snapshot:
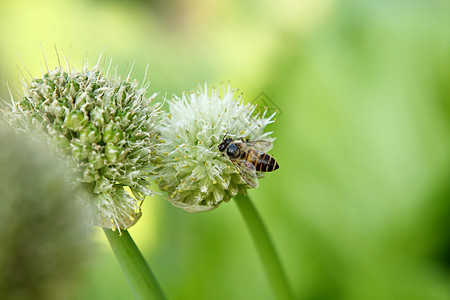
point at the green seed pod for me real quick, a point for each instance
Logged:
(75, 120)
(96, 160)
(58, 109)
(112, 134)
(79, 150)
(114, 153)
(123, 117)
(61, 142)
(98, 117)
(90, 134)
(58, 127)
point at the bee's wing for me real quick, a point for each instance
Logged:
(247, 172)
(260, 145)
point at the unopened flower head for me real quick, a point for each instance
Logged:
(105, 125)
(190, 166)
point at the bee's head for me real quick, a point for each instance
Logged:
(225, 142)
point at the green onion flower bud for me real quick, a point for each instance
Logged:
(107, 128)
(75, 120)
(191, 169)
(91, 134)
(112, 134)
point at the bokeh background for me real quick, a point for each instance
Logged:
(360, 206)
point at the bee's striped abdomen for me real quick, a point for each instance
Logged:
(265, 163)
(272, 164)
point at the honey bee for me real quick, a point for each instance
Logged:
(249, 157)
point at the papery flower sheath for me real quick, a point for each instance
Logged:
(105, 126)
(190, 166)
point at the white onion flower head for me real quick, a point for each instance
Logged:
(105, 128)
(191, 168)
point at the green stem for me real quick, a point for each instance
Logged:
(136, 270)
(265, 247)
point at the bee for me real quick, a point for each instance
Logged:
(249, 157)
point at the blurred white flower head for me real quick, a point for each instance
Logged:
(44, 237)
(190, 166)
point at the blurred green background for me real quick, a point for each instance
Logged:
(360, 206)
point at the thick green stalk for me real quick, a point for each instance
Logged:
(136, 270)
(265, 247)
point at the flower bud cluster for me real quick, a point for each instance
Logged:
(106, 126)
